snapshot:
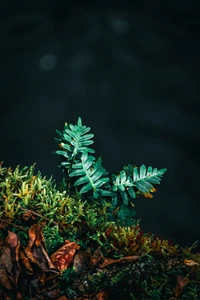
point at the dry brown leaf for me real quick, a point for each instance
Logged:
(35, 236)
(102, 262)
(43, 260)
(13, 242)
(97, 256)
(181, 282)
(128, 259)
(190, 262)
(43, 285)
(62, 258)
(26, 263)
(36, 263)
(36, 250)
(102, 295)
(29, 254)
(6, 266)
(109, 261)
(19, 296)
(28, 216)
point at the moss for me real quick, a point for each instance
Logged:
(101, 213)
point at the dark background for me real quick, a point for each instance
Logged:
(131, 72)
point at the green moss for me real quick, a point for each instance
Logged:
(100, 213)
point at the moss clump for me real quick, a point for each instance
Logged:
(115, 257)
(28, 198)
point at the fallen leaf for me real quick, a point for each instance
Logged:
(62, 258)
(35, 236)
(43, 259)
(6, 266)
(26, 263)
(97, 256)
(28, 216)
(38, 264)
(19, 296)
(109, 261)
(102, 262)
(128, 259)
(190, 262)
(13, 242)
(102, 295)
(36, 250)
(181, 282)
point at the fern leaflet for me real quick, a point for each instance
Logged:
(91, 172)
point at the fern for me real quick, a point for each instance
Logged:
(122, 188)
(73, 141)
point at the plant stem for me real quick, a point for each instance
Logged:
(37, 214)
(10, 223)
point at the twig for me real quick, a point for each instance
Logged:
(37, 214)
(17, 226)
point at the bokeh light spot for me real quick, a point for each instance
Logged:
(48, 62)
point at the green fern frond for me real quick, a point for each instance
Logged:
(145, 177)
(124, 183)
(73, 141)
(91, 171)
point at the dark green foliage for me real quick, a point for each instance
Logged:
(66, 280)
(53, 238)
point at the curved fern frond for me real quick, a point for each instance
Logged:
(73, 141)
(91, 173)
(143, 179)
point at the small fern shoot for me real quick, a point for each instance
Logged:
(73, 141)
(122, 188)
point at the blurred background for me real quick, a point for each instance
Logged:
(131, 72)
